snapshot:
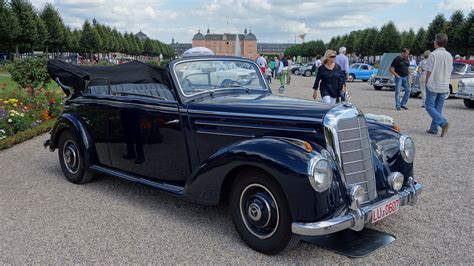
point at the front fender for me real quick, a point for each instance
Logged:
(286, 162)
(71, 122)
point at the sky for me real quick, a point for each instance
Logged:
(278, 21)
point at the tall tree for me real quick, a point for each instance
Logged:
(41, 35)
(55, 27)
(25, 14)
(9, 27)
(388, 39)
(419, 42)
(455, 29)
(90, 40)
(436, 26)
(469, 34)
(408, 39)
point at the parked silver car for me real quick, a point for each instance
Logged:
(466, 91)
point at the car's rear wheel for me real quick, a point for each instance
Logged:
(365, 80)
(71, 159)
(469, 103)
(260, 213)
(351, 77)
(296, 72)
(307, 73)
(377, 88)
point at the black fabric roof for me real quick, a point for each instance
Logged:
(134, 72)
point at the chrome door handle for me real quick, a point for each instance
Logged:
(176, 121)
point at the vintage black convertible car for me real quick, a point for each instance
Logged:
(208, 129)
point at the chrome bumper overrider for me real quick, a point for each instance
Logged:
(356, 219)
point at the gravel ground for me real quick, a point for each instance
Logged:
(45, 219)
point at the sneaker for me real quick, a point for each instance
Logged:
(429, 131)
(398, 108)
(404, 107)
(444, 130)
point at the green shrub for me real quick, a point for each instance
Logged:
(29, 72)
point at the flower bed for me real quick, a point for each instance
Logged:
(24, 109)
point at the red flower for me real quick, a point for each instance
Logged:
(29, 91)
(52, 101)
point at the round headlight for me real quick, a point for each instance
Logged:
(407, 148)
(357, 194)
(395, 180)
(320, 174)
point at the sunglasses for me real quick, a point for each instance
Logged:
(332, 56)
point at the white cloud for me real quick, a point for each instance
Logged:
(452, 5)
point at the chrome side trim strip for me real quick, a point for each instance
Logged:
(158, 185)
(122, 104)
(205, 123)
(221, 133)
(283, 117)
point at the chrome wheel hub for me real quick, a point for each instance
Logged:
(71, 157)
(259, 211)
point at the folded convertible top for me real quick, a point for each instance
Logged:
(134, 72)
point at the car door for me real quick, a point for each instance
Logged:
(365, 72)
(146, 136)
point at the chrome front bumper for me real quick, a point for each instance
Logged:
(464, 96)
(356, 219)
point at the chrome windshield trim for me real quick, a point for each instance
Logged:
(260, 77)
(205, 123)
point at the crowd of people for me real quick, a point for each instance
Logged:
(332, 71)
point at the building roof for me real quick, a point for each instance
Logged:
(141, 34)
(198, 36)
(250, 36)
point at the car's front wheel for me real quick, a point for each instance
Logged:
(377, 88)
(469, 103)
(296, 72)
(71, 159)
(308, 73)
(260, 213)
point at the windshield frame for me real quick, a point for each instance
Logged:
(189, 97)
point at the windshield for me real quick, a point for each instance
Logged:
(210, 75)
(458, 67)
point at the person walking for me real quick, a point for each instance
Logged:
(399, 68)
(330, 79)
(422, 75)
(438, 74)
(277, 62)
(288, 72)
(343, 61)
(262, 63)
(272, 67)
(282, 69)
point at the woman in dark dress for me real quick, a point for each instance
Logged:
(330, 79)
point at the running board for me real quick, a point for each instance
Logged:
(157, 185)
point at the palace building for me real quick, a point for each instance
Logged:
(244, 45)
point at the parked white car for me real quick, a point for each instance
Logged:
(215, 73)
(466, 91)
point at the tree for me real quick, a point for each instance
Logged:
(148, 47)
(469, 34)
(455, 28)
(436, 26)
(41, 35)
(369, 41)
(25, 14)
(90, 40)
(9, 27)
(55, 28)
(388, 39)
(408, 39)
(419, 42)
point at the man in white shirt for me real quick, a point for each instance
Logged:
(343, 61)
(262, 63)
(438, 75)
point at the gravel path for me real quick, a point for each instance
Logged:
(45, 219)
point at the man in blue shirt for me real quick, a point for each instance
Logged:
(342, 61)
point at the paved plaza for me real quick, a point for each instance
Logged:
(45, 219)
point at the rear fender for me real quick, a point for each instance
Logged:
(71, 122)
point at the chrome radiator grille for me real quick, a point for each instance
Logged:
(355, 154)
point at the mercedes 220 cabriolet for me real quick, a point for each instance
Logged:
(287, 167)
